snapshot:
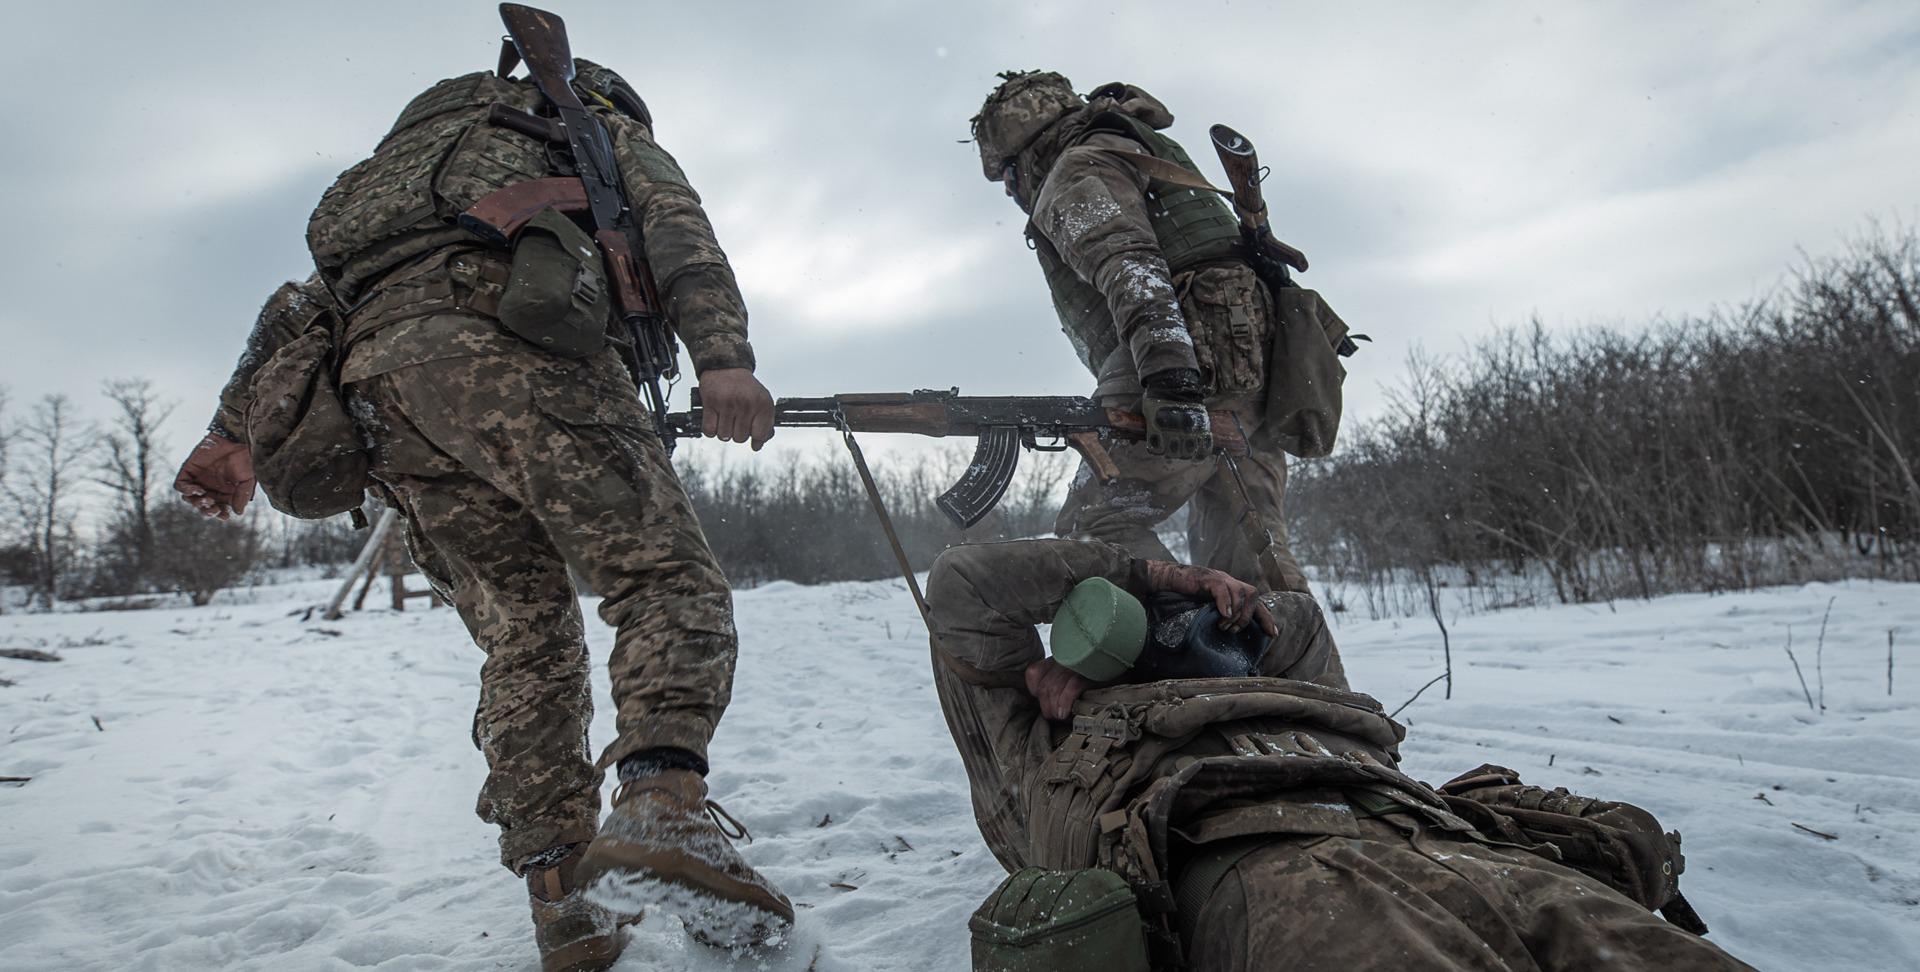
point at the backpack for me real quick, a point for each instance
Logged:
(1618, 844)
(307, 455)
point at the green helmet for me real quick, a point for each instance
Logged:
(1099, 630)
(1015, 114)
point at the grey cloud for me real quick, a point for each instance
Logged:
(160, 191)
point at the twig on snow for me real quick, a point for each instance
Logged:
(17, 780)
(1446, 642)
(1416, 695)
(1889, 661)
(1817, 833)
(1820, 650)
(1796, 669)
(28, 654)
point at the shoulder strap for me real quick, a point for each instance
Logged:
(1164, 171)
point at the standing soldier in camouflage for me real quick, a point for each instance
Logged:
(513, 460)
(1152, 289)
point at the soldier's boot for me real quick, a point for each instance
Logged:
(574, 934)
(664, 847)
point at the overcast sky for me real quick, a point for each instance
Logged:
(1448, 167)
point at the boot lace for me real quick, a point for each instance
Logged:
(728, 825)
(722, 819)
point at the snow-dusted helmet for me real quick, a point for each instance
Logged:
(1017, 111)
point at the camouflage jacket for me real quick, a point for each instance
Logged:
(370, 231)
(1091, 213)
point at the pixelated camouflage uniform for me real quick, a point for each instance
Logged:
(1322, 878)
(512, 464)
(1131, 315)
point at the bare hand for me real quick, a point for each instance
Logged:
(1238, 601)
(1056, 687)
(217, 478)
(734, 406)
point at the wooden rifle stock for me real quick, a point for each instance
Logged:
(1242, 162)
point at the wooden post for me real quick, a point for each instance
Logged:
(362, 563)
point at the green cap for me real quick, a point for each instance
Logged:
(1099, 631)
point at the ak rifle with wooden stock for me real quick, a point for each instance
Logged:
(1269, 256)
(1004, 425)
(593, 192)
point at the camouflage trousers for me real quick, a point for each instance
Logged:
(1388, 900)
(1151, 488)
(509, 468)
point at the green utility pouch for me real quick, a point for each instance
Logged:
(1304, 373)
(307, 455)
(1059, 921)
(557, 296)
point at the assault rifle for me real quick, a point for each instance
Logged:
(540, 39)
(1004, 426)
(1270, 256)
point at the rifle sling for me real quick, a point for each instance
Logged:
(965, 671)
(1158, 168)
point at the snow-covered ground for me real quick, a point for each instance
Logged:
(235, 787)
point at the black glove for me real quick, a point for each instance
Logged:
(1175, 411)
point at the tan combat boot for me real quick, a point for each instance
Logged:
(663, 847)
(574, 934)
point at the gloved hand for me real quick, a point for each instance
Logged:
(1175, 411)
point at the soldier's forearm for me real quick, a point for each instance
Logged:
(711, 319)
(1146, 312)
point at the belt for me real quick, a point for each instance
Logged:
(457, 279)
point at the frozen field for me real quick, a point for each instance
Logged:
(233, 787)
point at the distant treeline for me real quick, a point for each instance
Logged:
(806, 518)
(85, 509)
(1773, 443)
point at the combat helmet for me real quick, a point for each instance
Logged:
(604, 85)
(1015, 114)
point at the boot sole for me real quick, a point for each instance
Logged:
(720, 911)
(586, 955)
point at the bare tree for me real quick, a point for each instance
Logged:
(131, 469)
(53, 448)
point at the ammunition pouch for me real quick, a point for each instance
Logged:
(557, 296)
(1618, 844)
(1304, 373)
(452, 280)
(1059, 921)
(307, 455)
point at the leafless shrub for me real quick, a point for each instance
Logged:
(1764, 444)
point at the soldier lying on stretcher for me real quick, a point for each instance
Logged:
(1208, 751)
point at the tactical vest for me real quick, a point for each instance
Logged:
(440, 157)
(1192, 227)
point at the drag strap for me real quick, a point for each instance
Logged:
(965, 671)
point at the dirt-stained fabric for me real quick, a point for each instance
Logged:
(1093, 210)
(1152, 487)
(1293, 767)
(510, 467)
(1216, 319)
(1386, 899)
(984, 601)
